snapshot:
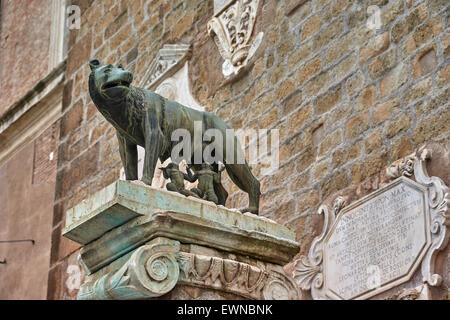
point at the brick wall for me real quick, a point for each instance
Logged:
(348, 99)
(24, 45)
(45, 153)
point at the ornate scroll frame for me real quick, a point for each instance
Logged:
(308, 270)
(154, 269)
(232, 28)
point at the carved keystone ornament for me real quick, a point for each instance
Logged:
(381, 240)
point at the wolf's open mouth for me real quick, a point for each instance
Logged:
(117, 83)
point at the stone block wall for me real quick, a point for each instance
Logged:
(24, 49)
(351, 85)
(26, 194)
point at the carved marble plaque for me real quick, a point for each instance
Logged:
(377, 242)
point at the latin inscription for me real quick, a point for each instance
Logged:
(376, 242)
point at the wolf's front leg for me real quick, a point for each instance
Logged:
(153, 143)
(129, 157)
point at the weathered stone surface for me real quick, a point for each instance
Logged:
(383, 64)
(356, 126)
(236, 48)
(374, 48)
(373, 248)
(309, 69)
(311, 26)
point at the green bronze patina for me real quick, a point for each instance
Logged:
(142, 117)
(208, 183)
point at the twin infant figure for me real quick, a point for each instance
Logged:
(205, 174)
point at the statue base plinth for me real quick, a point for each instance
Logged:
(142, 242)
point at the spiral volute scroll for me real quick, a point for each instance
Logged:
(151, 271)
(155, 273)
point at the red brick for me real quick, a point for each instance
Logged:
(79, 54)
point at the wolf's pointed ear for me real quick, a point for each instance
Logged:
(120, 66)
(94, 64)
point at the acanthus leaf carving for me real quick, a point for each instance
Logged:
(232, 29)
(308, 270)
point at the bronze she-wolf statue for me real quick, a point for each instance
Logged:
(142, 117)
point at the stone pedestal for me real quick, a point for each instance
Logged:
(142, 242)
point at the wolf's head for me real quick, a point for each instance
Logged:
(108, 82)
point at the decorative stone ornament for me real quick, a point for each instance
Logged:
(154, 269)
(438, 201)
(169, 60)
(151, 271)
(232, 29)
(380, 241)
(421, 292)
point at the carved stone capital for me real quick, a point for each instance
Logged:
(154, 269)
(232, 28)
